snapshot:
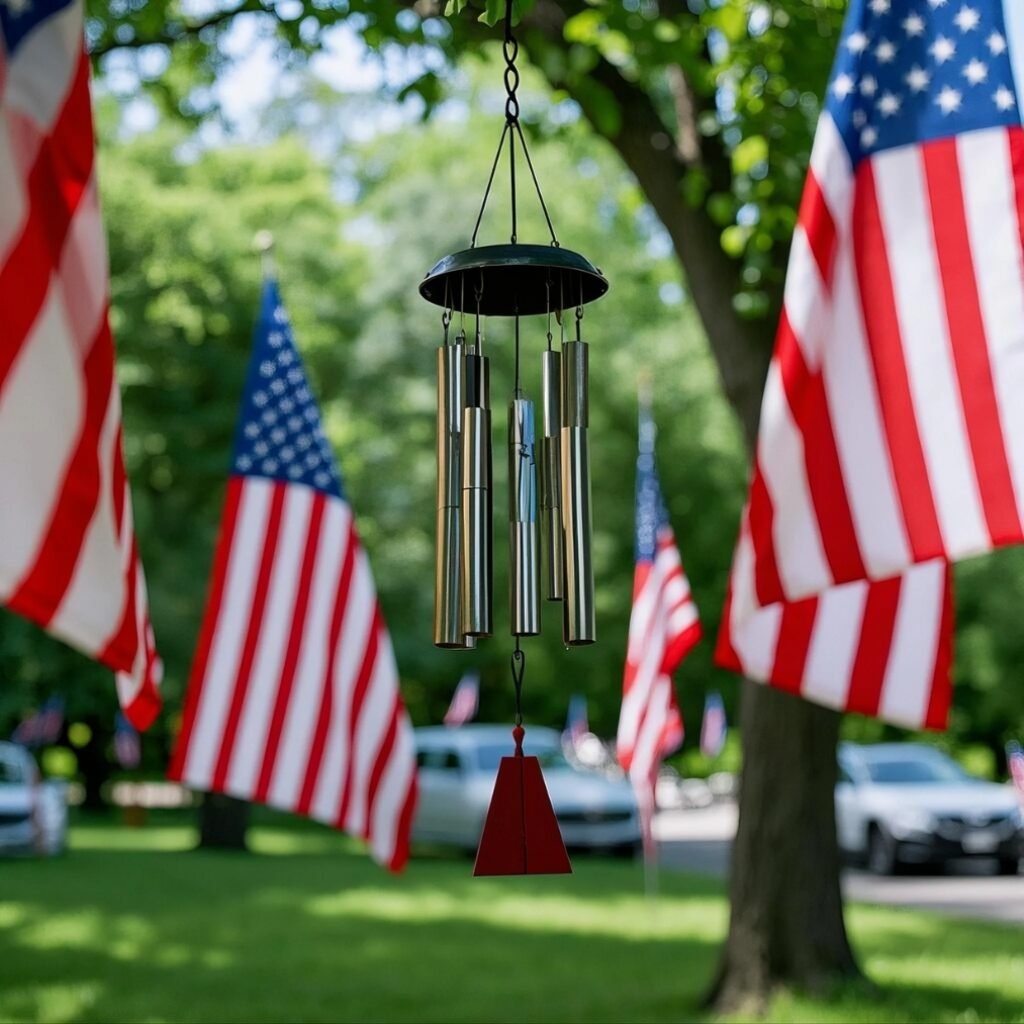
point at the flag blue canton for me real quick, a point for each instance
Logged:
(18, 18)
(651, 514)
(279, 434)
(908, 72)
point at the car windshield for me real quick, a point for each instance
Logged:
(489, 755)
(920, 769)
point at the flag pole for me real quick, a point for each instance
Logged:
(263, 243)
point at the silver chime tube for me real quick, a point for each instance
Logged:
(448, 552)
(579, 625)
(524, 553)
(550, 458)
(477, 573)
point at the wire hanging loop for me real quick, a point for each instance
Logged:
(518, 664)
(510, 49)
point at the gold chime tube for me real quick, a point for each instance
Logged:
(524, 553)
(477, 573)
(448, 554)
(550, 458)
(579, 623)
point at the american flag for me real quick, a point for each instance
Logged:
(663, 628)
(68, 557)
(1015, 763)
(127, 744)
(465, 701)
(577, 724)
(892, 430)
(42, 727)
(713, 727)
(293, 699)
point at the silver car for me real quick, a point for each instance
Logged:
(907, 803)
(457, 769)
(33, 813)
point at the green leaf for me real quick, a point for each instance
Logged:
(454, 7)
(751, 151)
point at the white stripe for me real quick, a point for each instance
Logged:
(304, 704)
(920, 307)
(682, 619)
(41, 409)
(646, 750)
(275, 630)
(14, 206)
(835, 639)
(830, 162)
(83, 269)
(674, 591)
(860, 439)
(753, 631)
(1013, 18)
(348, 658)
(907, 686)
(638, 696)
(993, 228)
(806, 300)
(43, 67)
(372, 729)
(643, 609)
(229, 632)
(803, 568)
(394, 785)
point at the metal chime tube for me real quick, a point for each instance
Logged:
(477, 575)
(579, 625)
(524, 553)
(448, 556)
(550, 457)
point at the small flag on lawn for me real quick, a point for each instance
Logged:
(713, 728)
(465, 700)
(43, 727)
(127, 745)
(576, 723)
(1015, 763)
(293, 699)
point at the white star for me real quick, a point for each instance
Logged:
(843, 86)
(967, 19)
(975, 72)
(295, 376)
(937, 3)
(275, 338)
(880, 6)
(277, 386)
(859, 118)
(996, 44)
(244, 463)
(252, 430)
(949, 99)
(322, 479)
(18, 7)
(295, 424)
(294, 471)
(917, 78)
(261, 448)
(269, 466)
(868, 85)
(267, 368)
(313, 460)
(302, 442)
(286, 405)
(857, 42)
(942, 49)
(282, 318)
(269, 417)
(868, 137)
(310, 414)
(287, 453)
(278, 436)
(885, 52)
(260, 398)
(913, 25)
(286, 357)
(889, 104)
(1003, 98)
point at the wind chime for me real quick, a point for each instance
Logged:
(549, 478)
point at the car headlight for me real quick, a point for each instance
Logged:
(911, 820)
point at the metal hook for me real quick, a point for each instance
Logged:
(518, 665)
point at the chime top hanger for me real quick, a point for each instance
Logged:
(512, 279)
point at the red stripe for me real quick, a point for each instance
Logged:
(401, 854)
(323, 721)
(816, 219)
(882, 329)
(1015, 138)
(123, 645)
(119, 483)
(725, 654)
(54, 189)
(381, 762)
(805, 393)
(941, 695)
(967, 338)
(143, 708)
(218, 578)
(291, 659)
(252, 635)
(679, 646)
(874, 645)
(796, 628)
(358, 699)
(43, 587)
(761, 515)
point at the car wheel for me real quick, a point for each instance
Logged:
(881, 852)
(1008, 866)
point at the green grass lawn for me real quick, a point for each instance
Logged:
(133, 926)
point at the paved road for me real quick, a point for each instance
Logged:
(701, 841)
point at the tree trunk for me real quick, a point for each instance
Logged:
(223, 822)
(786, 922)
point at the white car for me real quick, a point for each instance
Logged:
(33, 813)
(457, 769)
(907, 803)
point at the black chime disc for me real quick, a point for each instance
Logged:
(510, 280)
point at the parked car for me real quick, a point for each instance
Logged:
(457, 769)
(33, 813)
(907, 803)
